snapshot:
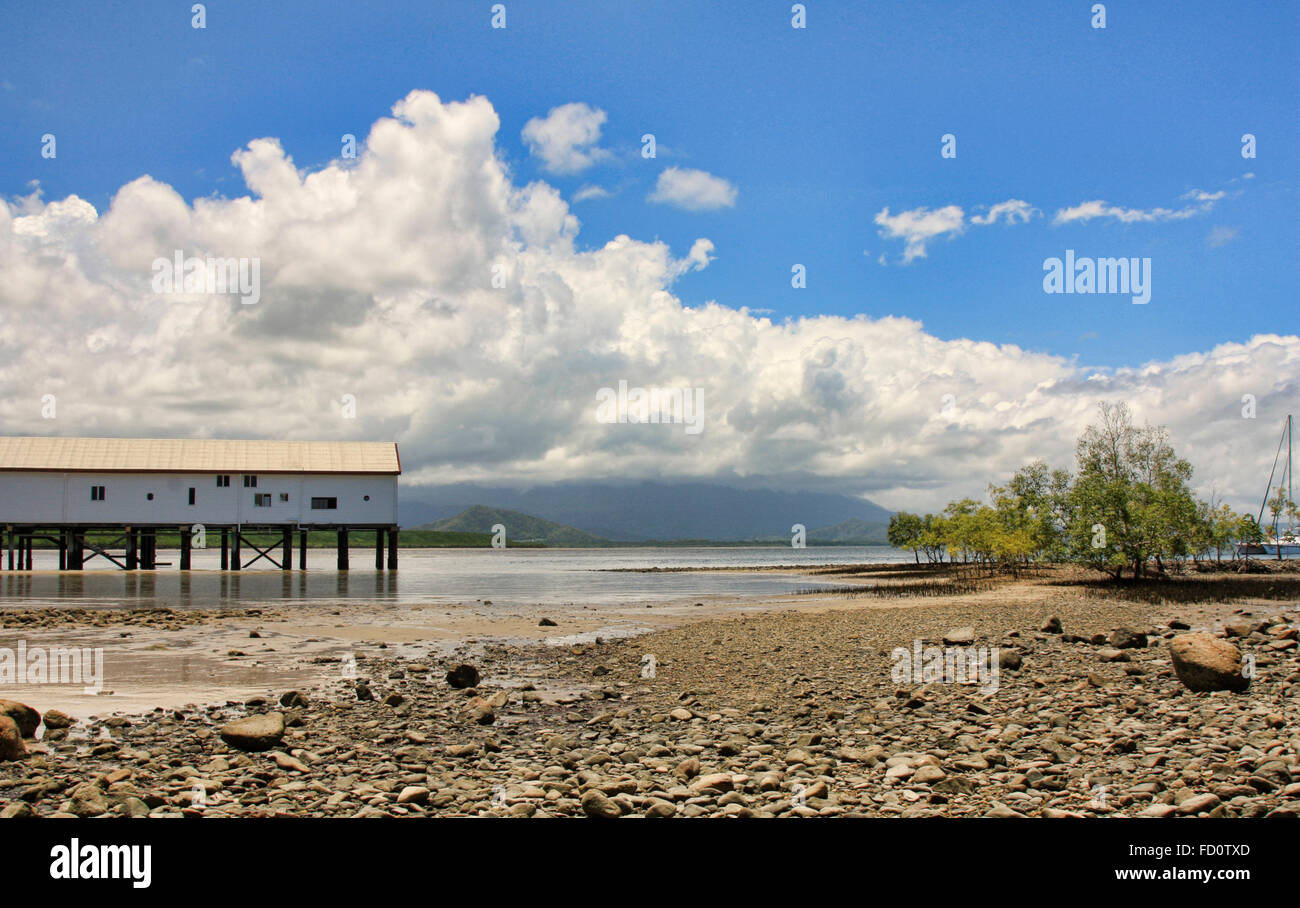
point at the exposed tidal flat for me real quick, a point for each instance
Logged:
(781, 705)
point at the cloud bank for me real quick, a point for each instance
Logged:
(455, 306)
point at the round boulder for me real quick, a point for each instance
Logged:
(1205, 663)
(294, 699)
(54, 720)
(26, 718)
(463, 676)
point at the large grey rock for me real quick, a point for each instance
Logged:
(1205, 663)
(254, 733)
(597, 805)
(959, 636)
(1237, 628)
(88, 800)
(1127, 638)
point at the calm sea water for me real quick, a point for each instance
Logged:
(586, 576)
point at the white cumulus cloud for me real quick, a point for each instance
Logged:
(1012, 211)
(693, 190)
(587, 193)
(565, 139)
(920, 225)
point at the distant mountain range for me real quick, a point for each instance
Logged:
(596, 513)
(520, 527)
(851, 532)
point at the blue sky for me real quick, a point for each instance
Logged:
(817, 129)
(776, 146)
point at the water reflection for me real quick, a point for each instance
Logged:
(438, 575)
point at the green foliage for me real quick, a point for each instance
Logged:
(905, 532)
(1130, 496)
(1127, 505)
(1279, 506)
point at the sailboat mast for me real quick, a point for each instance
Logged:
(1284, 438)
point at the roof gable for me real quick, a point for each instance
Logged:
(197, 455)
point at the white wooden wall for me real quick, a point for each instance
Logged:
(64, 498)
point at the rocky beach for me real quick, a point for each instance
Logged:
(1101, 706)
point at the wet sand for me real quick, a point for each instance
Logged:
(146, 666)
(199, 656)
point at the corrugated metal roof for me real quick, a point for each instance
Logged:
(197, 455)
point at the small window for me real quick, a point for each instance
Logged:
(284, 496)
(324, 504)
(149, 497)
(262, 501)
(191, 495)
(250, 482)
(223, 482)
(96, 493)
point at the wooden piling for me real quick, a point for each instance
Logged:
(392, 549)
(343, 549)
(148, 544)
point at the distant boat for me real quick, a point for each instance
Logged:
(1280, 542)
(1289, 542)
